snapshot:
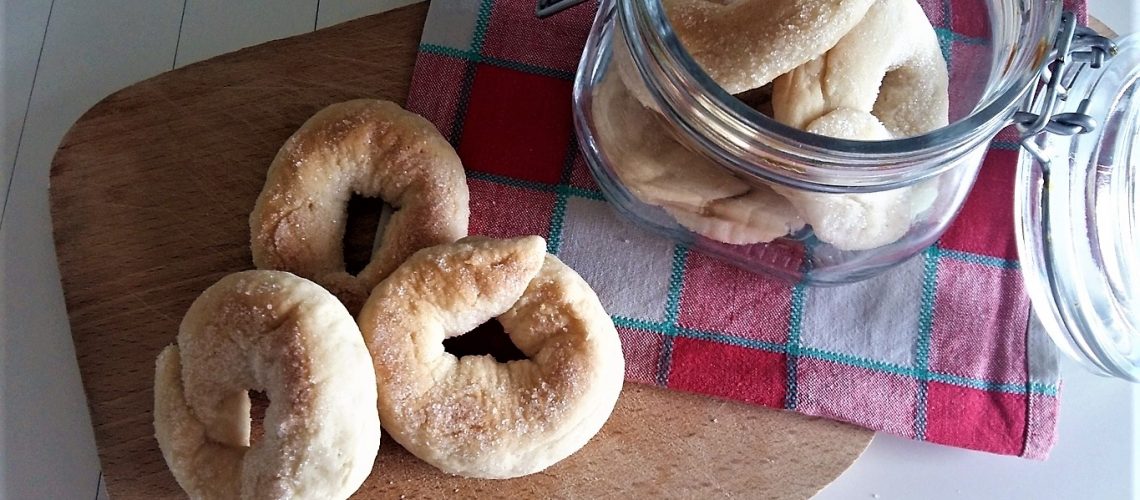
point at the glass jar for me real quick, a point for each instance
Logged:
(680, 156)
(1079, 222)
(662, 140)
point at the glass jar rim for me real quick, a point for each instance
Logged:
(823, 163)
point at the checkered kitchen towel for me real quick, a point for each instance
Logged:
(936, 349)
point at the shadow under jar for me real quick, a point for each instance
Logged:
(664, 140)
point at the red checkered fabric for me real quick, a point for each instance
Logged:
(937, 349)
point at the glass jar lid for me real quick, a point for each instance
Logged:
(1079, 200)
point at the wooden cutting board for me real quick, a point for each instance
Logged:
(150, 194)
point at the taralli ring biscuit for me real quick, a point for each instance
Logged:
(889, 65)
(474, 416)
(853, 221)
(370, 148)
(859, 221)
(884, 79)
(745, 44)
(274, 332)
(697, 193)
(758, 216)
(657, 168)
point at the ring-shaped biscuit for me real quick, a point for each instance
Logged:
(371, 148)
(649, 160)
(744, 44)
(884, 79)
(699, 194)
(474, 416)
(859, 221)
(759, 216)
(889, 65)
(287, 336)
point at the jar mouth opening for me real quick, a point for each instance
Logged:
(858, 163)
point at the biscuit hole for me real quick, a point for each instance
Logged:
(258, 404)
(759, 99)
(364, 226)
(488, 338)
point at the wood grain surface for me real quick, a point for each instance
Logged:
(150, 194)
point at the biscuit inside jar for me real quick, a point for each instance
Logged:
(866, 70)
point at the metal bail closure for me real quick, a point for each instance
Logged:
(1075, 45)
(547, 8)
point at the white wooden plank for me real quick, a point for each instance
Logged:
(1122, 16)
(23, 27)
(102, 493)
(215, 27)
(338, 11)
(91, 49)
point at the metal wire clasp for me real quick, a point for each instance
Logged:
(1075, 45)
(547, 8)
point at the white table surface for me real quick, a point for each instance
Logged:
(59, 57)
